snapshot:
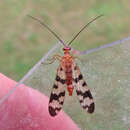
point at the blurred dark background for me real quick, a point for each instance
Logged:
(23, 41)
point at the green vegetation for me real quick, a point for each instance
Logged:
(24, 41)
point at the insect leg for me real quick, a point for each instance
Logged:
(51, 60)
(58, 57)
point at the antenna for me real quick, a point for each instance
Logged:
(48, 29)
(83, 29)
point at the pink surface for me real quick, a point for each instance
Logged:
(27, 109)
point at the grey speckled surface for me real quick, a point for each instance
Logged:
(107, 73)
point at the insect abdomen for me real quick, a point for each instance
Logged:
(68, 73)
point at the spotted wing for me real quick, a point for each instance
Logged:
(83, 93)
(58, 93)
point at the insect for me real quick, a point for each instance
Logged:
(69, 75)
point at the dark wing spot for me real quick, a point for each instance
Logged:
(79, 93)
(53, 97)
(84, 84)
(58, 109)
(61, 68)
(80, 77)
(75, 68)
(91, 108)
(61, 103)
(85, 94)
(55, 86)
(86, 106)
(62, 94)
(58, 79)
(62, 81)
(80, 101)
(52, 111)
(76, 80)
(56, 97)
